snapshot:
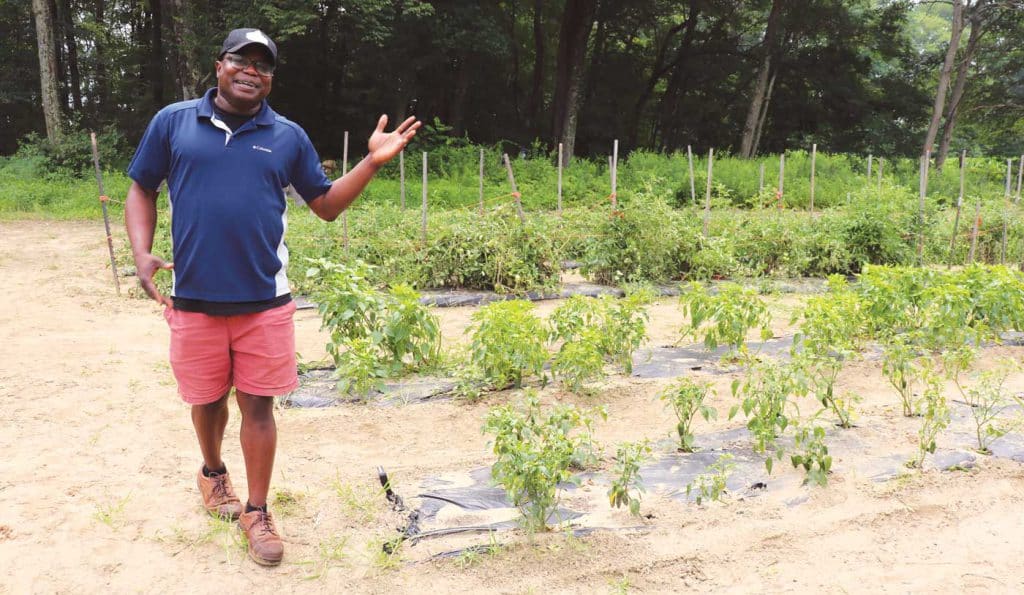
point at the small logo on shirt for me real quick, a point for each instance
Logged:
(259, 148)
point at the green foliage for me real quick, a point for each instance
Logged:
(580, 361)
(507, 342)
(899, 368)
(935, 415)
(373, 334)
(988, 399)
(711, 484)
(725, 317)
(686, 397)
(535, 450)
(811, 452)
(626, 476)
(763, 396)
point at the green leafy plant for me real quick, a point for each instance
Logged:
(686, 397)
(987, 399)
(374, 335)
(579, 362)
(725, 317)
(626, 476)
(811, 452)
(935, 414)
(711, 484)
(898, 366)
(613, 327)
(535, 450)
(507, 342)
(763, 396)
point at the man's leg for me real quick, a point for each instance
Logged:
(210, 420)
(259, 443)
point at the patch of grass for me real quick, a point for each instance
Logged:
(385, 554)
(474, 555)
(359, 502)
(112, 514)
(329, 554)
(286, 502)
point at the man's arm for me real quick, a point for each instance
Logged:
(140, 222)
(383, 148)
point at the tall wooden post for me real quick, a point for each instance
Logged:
(423, 225)
(814, 156)
(959, 207)
(693, 187)
(515, 191)
(401, 175)
(707, 194)
(103, 205)
(344, 170)
(560, 163)
(481, 193)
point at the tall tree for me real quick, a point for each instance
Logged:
(761, 94)
(45, 40)
(956, 29)
(574, 35)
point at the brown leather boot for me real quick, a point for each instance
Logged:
(219, 497)
(265, 545)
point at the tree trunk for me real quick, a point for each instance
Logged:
(977, 30)
(180, 26)
(944, 75)
(759, 95)
(577, 21)
(48, 69)
(102, 78)
(71, 43)
(156, 55)
(537, 89)
(764, 114)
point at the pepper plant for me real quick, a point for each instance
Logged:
(763, 396)
(711, 484)
(507, 342)
(811, 452)
(987, 399)
(934, 413)
(535, 450)
(724, 317)
(686, 397)
(626, 476)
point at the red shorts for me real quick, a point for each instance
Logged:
(255, 353)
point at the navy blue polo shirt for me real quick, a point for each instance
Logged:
(227, 196)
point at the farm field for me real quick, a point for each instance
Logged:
(97, 487)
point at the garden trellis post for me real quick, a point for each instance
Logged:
(401, 175)
(881, 163)
(814, 155)
(869, 166)
(693, 183)
(560, 163)
(615, 174)
(515, 192)
(344, 170)
(707, 194)
(423, 224)
(481, 182)
(1006, 208)
(760, 179)
(782, 176)
(1020, 176)
(922, 191)
(103, 205)
(959, 207)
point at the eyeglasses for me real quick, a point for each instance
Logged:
(241, 63)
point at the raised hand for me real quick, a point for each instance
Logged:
(385, 145)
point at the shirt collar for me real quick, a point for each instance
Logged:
(264, 117)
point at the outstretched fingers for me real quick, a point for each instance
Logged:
(410, 122)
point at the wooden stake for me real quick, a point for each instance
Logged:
(974, 232)
(1020, 176)
(481, 181)
(880, 164)
(515, 192)
(707, 194)
(344, 170)
(869, 166)
(615, 173)
(923, 190)
(693, 187)
(782, 176)
(760, 179)
(103, 205)
(423, 225)
(959, 207)
(560, 163)
(814, 155)
(1006, 207)
(401, 175)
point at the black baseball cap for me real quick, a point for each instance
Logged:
(239, 38)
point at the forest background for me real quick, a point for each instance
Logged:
(887, 77)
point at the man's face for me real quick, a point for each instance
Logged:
(244, 88)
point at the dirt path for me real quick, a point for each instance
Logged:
(97, 488)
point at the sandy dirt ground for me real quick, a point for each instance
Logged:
(97, 488)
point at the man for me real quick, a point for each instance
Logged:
(226, 158)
